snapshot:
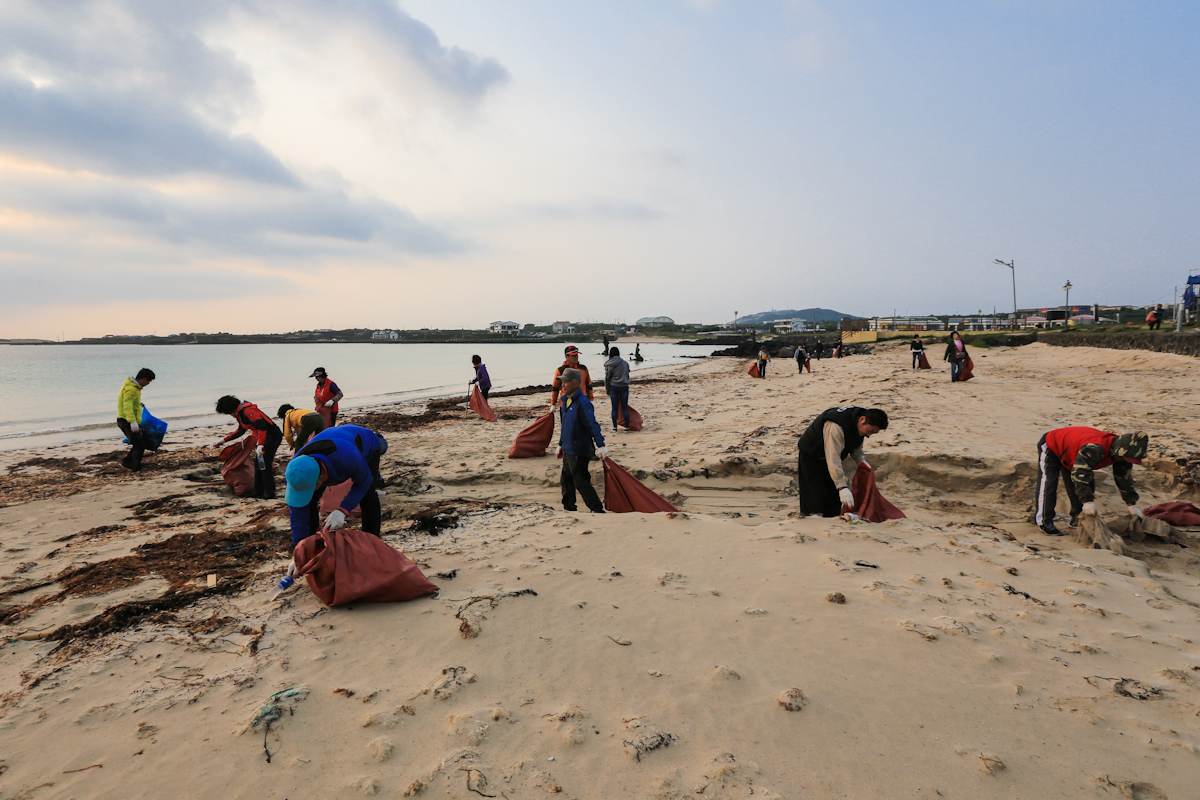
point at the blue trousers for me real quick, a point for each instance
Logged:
(619, 395)
(955, 368)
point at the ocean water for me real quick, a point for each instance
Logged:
(65, 393)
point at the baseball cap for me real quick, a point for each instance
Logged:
(1131, 446)
(319, 372)
(301, 475)
(571, 350)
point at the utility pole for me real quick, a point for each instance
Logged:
(1178, 314)
(1011, 266)
(1067, 309)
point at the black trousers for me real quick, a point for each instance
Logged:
(137, 446)
(818, 493)
(372, 513)
(916, 354)
(484, 392)
(1049, 470)
(575, 477)
(310, 426)
(265, 479)
(762, 368)
(1156, 324)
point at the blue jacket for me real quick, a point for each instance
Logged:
(345, 451)
(579, 426)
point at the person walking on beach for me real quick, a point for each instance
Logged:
(299, 425)
(763, 358)
(326, 396)
(580, 430)
(1081, 451)
(251, 419)
(616, 385)
(801, 356)
(956, 354)
(1154, 318)
(334, 456)
(129, 417)
(571, 352)
(818, 349)
(481, 379)
(835, 434)
(917, 347)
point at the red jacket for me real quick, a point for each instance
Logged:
(1066, 443)
(326, 391)
(250, 418)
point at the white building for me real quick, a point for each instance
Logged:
(790, 325)
(386, 335)
(564, 327)
(655, 322)
(510, 328)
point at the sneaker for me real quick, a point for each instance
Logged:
(569, 509)
(597, 510)
(1049, 529)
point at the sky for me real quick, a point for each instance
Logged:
(277, 165)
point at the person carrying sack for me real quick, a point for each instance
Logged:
(763, 358)
(250, 418)
(956, 354)
(129, 417)
(616, 386)
(917, 347)
(481, 379)
(835, 434)
(579, 430)
(1081, 451)
(326, 396)
(334, 456)
(299, 425)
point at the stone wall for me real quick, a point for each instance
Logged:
(1184, 344)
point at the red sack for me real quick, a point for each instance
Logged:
(837, 351)
(923, 363)
(635, 419)
(533, 441)
(326, 414)
(808, 364)
(1181, 515)
(967, 370)
(237, 466)
(869, 504)
(332, 497)
(623, 492)
(753, 371)
(480, 406)
(344, 566)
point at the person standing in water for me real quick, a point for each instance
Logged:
(616, 385)
(481, 379)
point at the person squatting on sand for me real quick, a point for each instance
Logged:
(129, 417)
(801, 356)
(326, 396)
(482, 379)
(579, 429)
(763, 358)
(956, 354)
(572, 362)
(299, 425)
(616, 386)
(1081, 451)
(250, 418)
(332, 457)
(833, 435)
(918, 349)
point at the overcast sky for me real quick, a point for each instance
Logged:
(273, 165)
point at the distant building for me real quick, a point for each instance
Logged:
(563, 327)
(906, 324)
(385, 335)
(655, 322)
(510, 328)
(790, 326)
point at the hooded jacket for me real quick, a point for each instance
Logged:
(129, 402)
(616, 372)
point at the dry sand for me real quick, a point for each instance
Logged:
(731, 650)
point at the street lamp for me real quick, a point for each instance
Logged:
(1067, 310)
(1014, 277)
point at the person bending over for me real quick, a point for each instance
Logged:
(334, 456)
(1081, 451)
(251, 419)
(833, 435)
(299, 425)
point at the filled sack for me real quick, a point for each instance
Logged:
(624, 493)
(635, 419)
(869, 504)
(480, 406)
(808, 364)
(968, 370)
(326, 415)
(346, 566)
(1181, 515)
(533, 441)
(239, 466)
(753, 371)
(923, 363)
(153, 431)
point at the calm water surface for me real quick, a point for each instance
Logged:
(64, 393)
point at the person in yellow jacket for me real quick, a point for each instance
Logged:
(129, 417)
(299, 425)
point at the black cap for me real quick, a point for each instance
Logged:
(319, 372)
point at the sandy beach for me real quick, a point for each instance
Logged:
(959, 653)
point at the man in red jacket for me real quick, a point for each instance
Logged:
(1081, 451)
(264, 430)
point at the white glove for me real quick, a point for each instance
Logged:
(558, 452)
(329, 404)
(1089, 510)
(133, 426)
(336, 520)
(217, 443)
(292, 568)
(1135, 511)
(602, 452)
(847, 497)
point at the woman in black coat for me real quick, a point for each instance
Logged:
(956, 354)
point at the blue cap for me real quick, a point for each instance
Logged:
(301, 475)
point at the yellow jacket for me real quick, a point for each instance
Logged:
(291, 424)
(129, 401)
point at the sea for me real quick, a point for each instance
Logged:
(59, 394)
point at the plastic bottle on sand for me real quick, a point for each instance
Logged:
(280, 587)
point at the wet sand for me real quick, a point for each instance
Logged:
(957, 653)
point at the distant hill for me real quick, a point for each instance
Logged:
(810, 314)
